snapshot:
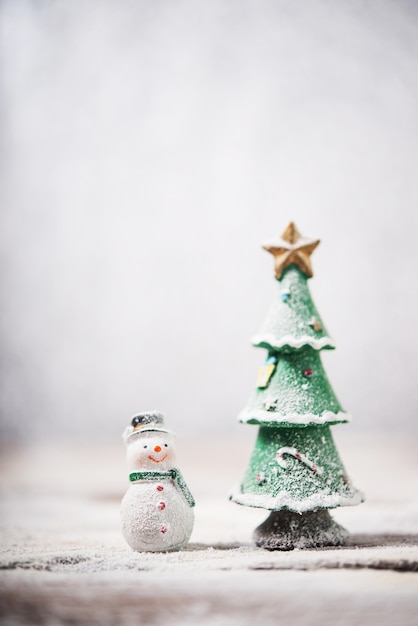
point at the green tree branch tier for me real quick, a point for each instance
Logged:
(295, 470)
(297, 394)
(293, 321)
(281, 476)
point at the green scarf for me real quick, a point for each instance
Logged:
(172, 473)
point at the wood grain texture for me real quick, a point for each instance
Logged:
(64, 561)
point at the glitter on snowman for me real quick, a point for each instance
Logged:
(157, 509)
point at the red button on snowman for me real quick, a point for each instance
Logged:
(157, 510)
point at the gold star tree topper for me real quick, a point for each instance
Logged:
(290, 248)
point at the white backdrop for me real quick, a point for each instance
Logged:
(147, 150)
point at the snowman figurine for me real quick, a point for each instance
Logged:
(157, 510)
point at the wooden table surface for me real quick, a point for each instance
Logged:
(64, 561)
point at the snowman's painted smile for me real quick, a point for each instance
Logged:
(151, 458)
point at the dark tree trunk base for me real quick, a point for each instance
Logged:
(286, 530)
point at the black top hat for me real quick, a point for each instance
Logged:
(147, 421)
(147, 418)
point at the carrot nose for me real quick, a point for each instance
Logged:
(157, 449)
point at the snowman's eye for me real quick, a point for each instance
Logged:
(166, 445)
(145, 446)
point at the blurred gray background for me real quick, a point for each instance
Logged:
(147, 150)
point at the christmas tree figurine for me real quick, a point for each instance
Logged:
(295, 470)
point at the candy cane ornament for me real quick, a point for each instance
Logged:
(298, 455)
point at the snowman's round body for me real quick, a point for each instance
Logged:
(156, 511)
